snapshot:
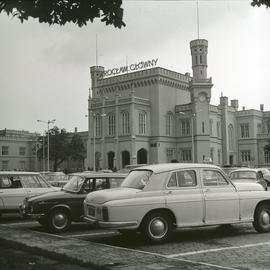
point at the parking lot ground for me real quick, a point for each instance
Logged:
(216, 247)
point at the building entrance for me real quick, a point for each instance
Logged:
(142, 156)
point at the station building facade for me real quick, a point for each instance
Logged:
(158, 115)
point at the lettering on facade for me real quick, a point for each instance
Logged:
(132, 67)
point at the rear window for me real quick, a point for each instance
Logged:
(243, 175)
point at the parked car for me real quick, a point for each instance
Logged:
(128, 168)
(156, 199)
(15, 186)
(57, 210)
(251, 175)
(57, 179)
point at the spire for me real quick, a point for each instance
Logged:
(198, 20)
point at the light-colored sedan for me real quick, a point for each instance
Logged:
(156, 199)
(15, 186)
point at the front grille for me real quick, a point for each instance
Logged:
(91, 211)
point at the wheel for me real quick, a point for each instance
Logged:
(157, 227)
(261, 221)
(59, 220)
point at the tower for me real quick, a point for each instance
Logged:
(200, 93)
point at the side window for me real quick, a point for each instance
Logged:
(213, 178)
(115, 182)
(260, 175)
(186, 178)
(101, 184)
(5, 182)
(87, 186)
(172, 182)
(30, 181)
(41, 181)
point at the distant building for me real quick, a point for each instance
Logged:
(18, 150)
(158, 115)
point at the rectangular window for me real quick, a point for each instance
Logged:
(22, 151)
(245, 155)
(111, 124)
(5, 165)
(186, 155)
(182, 179)
(98, 126)
(125, 123)
(244, 130)
(4, 150)
(218, 129)
(22, 165)
(185, 127)
(213, 178)
(267, 156)
(142, 123)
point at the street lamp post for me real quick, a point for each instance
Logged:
(48, 143)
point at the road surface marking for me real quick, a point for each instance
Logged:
(217, 249)
(167, 257)
(91, 234)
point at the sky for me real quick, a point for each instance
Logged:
(44, 70)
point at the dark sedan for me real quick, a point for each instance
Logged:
(56, 210)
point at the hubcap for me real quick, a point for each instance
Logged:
(265, 218)
(60, 220)
(158, 228)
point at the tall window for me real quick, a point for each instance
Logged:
(244, 130)
(22, 165)
(142, 123)
(211, 126)
(22, 151)
(4, 165)
(169, 124)
(212, 154)
(185, 127)
(125, 122)
(268, 126)
(218, 129)
(202, 127)
(267, 156)
(111, 119)
(231, 137)
(219, 156)
(98, 125)
(245, 155)
(4, 150)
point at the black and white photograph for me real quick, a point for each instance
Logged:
(135, 134)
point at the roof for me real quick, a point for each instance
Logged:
(18, 173)
(245, 170)
(100, 175)
(164, 167)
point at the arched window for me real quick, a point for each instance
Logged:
(125, 122)
(169, 117)
(98, 125)
(142, 123)
(231, 137)
(111, 122)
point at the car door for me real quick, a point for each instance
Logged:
(221, 200)
(184, 198)
(12, 193)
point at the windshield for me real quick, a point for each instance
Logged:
(74, 184)
(243, 175)
(137, 179)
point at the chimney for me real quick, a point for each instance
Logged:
(76, 130)
(244, 108)
(261, 107)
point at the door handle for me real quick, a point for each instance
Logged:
(168, 192)
(207, 190)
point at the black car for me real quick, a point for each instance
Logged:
(56, 210)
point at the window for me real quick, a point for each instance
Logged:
(185, 127)
(98, 125)
(268, 126)
(22, 151)
(202, 127)
(231, 137)
(125, 122)
(267, 156)
(212, 154)
(245, 155)
(219, 156)
(4, 165)
(213, 178)
(142, 123)
(22, 165)
(4, 150)
(169, 124)
(244, 130)
(186, 155)
(111, 119)
(200, 59)
(218, 129)
(30, 181)
(211, 126)
(182, 179)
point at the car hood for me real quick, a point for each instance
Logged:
(247, 185)
(52, 195)
(102, 196)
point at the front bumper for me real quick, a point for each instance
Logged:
(112, 224)
(24, 213)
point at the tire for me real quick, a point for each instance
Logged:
(157, 227)
(59, 221)
(261, 221)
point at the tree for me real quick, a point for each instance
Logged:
(261, 2)
(60, 12)
(77, 149)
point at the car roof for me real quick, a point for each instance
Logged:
(18, 173)
(100, 175)
(164, 167)
(245, 169)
